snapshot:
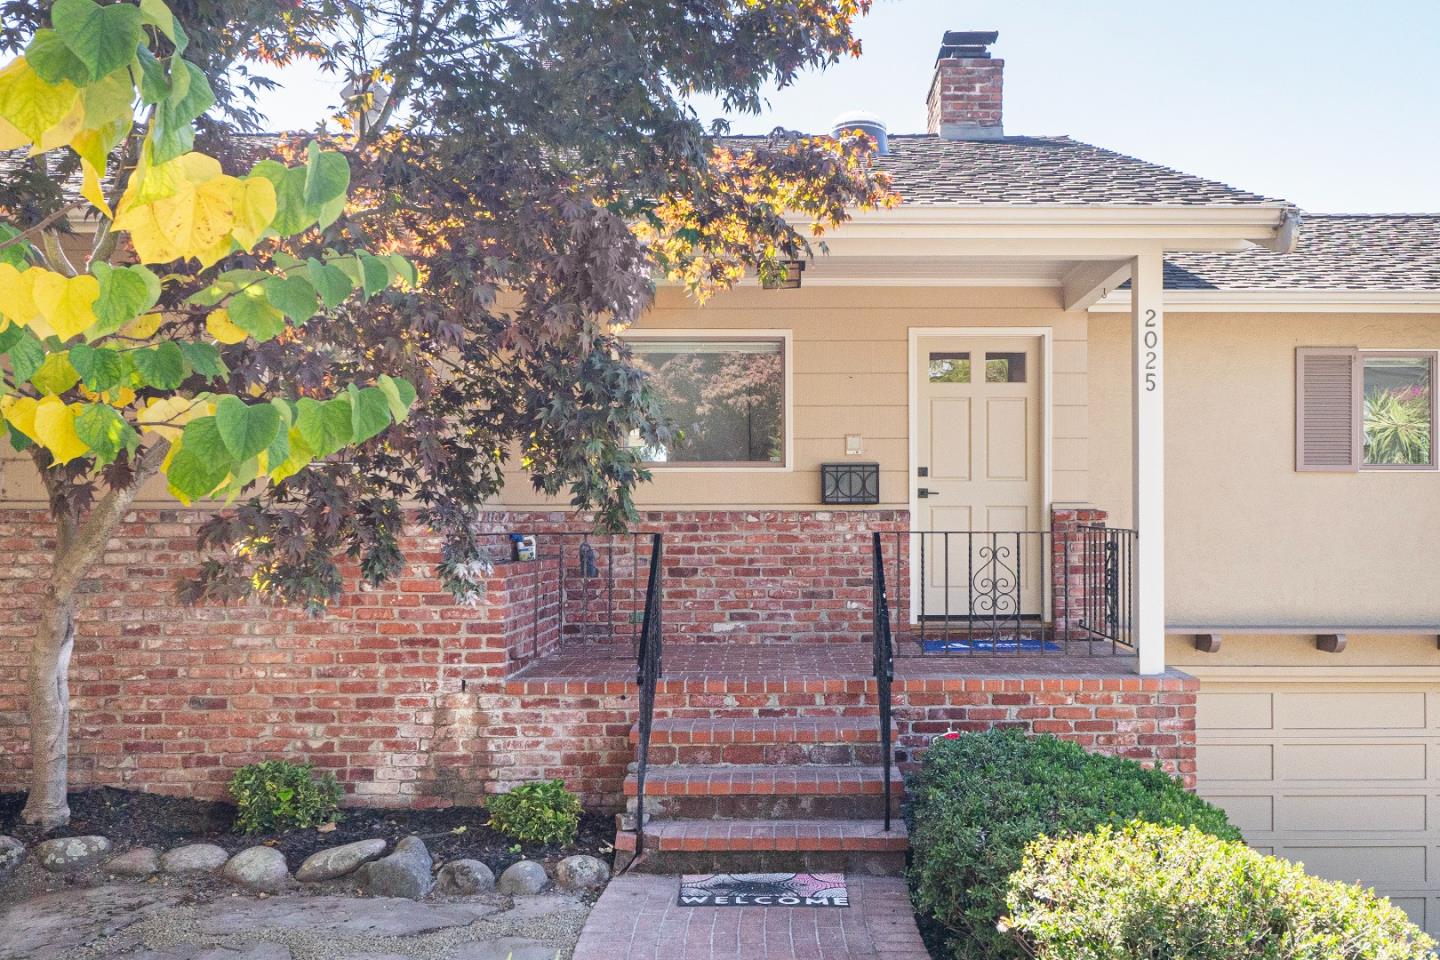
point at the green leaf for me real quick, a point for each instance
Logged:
(374, 274)
(103, 430)
(202, 462)
(399, 394)
(325, 427)
(161, 366)
(350, 266)
(369, 412)
(49, 57)
(10, 335)
(330, 282)
(172, 133)
(327, 177)
(125, 293)
(204, 359)
(56, 374)
(19, 254)
(246, 429)
(252, 312)
(291, 216)
(158, 15)
(224, 285)
(103, 38)
(100, 368)
(293, 296)
(154, 81)
(26, 355)
(403, 269)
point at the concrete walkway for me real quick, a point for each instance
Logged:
(638, 918)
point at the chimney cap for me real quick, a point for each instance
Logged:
(967, 44)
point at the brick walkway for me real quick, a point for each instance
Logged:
(637, 918)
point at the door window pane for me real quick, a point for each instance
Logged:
(725, 399)
(1398, 411)
(949, 368)
(1004, 368)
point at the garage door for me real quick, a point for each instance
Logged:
(1343, 775)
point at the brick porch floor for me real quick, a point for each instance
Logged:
(637, 918)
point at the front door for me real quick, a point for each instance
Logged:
(977, 479)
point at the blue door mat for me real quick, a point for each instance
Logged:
(990, 645)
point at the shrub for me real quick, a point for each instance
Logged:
(1154, 891)
(281, 794)
(539, 812)
(980, 798)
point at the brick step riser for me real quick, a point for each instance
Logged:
(869, 862)
(721, 706)
(771, 754)
(752, 807)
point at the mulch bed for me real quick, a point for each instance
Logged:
(133, 819)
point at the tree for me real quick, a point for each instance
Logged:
(113, 371)
(538, 163)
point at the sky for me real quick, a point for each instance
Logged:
(1332, 105)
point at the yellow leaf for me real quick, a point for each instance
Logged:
(66, 303)
(62, 132)
(143, 327)
(17, 295)
(167, 416)
(20, 411)
(115, 396)
(55, 429)
(219, 326)
(254, 210)
(32, 107)
(10, 138)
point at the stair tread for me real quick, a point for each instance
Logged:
(765, 779)
(761, 730)
(771, 835)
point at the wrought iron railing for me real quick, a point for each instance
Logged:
(884, 660)
(1066, 591)
(647, 676)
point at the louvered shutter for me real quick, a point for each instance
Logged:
(1327, 409)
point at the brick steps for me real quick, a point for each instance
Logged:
(765, 780)
(760, 730)
(860, 846)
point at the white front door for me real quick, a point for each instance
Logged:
(978, 476)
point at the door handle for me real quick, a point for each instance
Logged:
(923, 492)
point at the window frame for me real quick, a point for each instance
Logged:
(783, 336)
(1430, 357)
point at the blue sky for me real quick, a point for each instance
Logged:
(1334, 105)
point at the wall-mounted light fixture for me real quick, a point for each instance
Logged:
(789, 280)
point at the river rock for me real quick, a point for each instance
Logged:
(12, 854)
(524, 877)
(463, 878)
(261, 869)
(338, 861)
(140, 862)
(581, 872)
(69, 854)
(404, 873)
(194, 858)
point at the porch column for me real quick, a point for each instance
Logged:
(1147, 317)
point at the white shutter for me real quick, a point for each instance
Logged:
(1327, 409)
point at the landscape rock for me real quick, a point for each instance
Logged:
(336, 916)
(338, 861)
(53, 924)
(404, 873)
(463, 878)
(210, 951)
(582, 872)
(524, 877)
(12, 854)
(194, 858)
(139, 862)
(69, 854)
(506, 948)
(261, 869)
(539, 907)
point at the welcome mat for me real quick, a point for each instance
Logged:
(763, 890)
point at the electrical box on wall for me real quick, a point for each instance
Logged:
(852, 483)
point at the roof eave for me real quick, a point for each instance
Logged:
(1310, 300)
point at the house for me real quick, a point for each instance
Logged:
(1067, 440)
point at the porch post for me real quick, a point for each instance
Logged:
(1147, 316)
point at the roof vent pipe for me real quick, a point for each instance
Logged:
(866, 123)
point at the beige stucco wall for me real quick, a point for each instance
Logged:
(849, 363)
(1248, 539)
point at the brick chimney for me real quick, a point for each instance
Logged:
(966, 95)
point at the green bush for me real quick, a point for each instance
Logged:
(1153, 891)
(540, 812)
(281, 794)
(980, 798)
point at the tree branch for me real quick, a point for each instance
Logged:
(89, 539)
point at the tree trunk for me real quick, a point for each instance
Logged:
(50, 712)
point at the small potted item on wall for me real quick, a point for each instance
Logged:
(522, 546)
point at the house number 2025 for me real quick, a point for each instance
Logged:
(1151, 340)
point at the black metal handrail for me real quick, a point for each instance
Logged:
(884, 649)
(647, 676)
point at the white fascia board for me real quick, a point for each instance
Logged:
(1284, 301)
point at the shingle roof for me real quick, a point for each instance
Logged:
(1365, 252)
(1042, 170)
